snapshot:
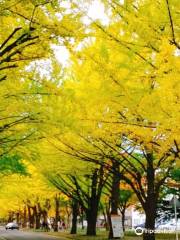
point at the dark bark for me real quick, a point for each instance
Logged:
(44, 214)
(91, 220)
(106, 225)
(10, 216)
(45, 222)
(108, 216)
(75, 211)
(151, 201)
(18, 217)
(82, 217)
(57, 213)
(30, 217)
(24, 217)
(13, 46)
(37, 216)
(89, 197)
(150, 223)
(123, 219)
(114, 201)
(93, 203)
(91, 200)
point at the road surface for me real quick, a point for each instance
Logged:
(19, 235)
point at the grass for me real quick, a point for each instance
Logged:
(102, 235)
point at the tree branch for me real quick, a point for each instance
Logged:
(173, 41)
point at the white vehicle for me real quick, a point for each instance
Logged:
(170, 226)
(12, 226)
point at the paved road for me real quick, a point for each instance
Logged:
(19, 235)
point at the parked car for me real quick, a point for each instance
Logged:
(171, 225)
(142, 225)
(12, 226)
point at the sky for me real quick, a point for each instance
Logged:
(95, 11)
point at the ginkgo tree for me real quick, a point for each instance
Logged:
(117, 100)
(125, 81)
(126, 93)
(30, 30)
(28, 198)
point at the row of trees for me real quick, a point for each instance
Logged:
(69, 207)
(81, 193)
(112, 170)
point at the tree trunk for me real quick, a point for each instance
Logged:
(106, 225)
(30, 217)
(38, 223)
(93, 204)
(10, 216)
(24, 217)
(123, 219)
(108, 217)
(82, 218)
(45, 219)
(150, 224)
(74, 216)
(17, 217)
(114, 201)
(37, 217)
(91, 221)
(151, 201)
(57, 215)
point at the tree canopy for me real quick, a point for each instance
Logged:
(113, 105)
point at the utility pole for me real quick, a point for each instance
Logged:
(175, 213)
(175, 202)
